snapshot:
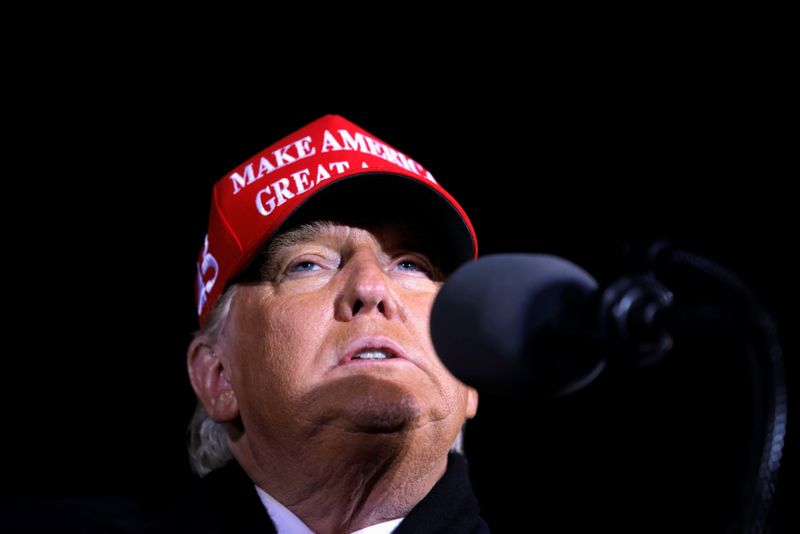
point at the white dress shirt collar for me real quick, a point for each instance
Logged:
(288, 523)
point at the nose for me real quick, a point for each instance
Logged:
(367, 290)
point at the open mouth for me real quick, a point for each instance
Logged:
(372, 355)
(372, 349)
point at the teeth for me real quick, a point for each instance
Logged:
(371, 355)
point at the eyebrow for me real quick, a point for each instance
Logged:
(297, 236)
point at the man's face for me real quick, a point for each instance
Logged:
(336, 337)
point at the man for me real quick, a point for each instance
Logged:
(314, 369)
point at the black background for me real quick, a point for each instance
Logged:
(106, 216)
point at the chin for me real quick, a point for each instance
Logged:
(384, 413)
(367, 404)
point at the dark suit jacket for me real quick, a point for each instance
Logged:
(225, 501)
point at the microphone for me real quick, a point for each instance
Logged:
(531, 323)
(520, 323)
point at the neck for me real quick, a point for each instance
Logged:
(344, 482)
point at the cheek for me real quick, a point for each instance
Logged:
(451, 392)
(292, 336)
(276, 345)
(418, 307)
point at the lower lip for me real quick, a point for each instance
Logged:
(386, 361)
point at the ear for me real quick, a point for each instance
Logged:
(210, 381)
(472, 402)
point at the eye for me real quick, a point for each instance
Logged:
(414, 264)
(303, 266)
(410, 265)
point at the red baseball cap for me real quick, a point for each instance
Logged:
(340, 166)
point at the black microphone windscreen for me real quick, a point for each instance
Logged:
(489, 311)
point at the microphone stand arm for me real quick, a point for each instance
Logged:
(768, 381)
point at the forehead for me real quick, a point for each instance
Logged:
(387, 235)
